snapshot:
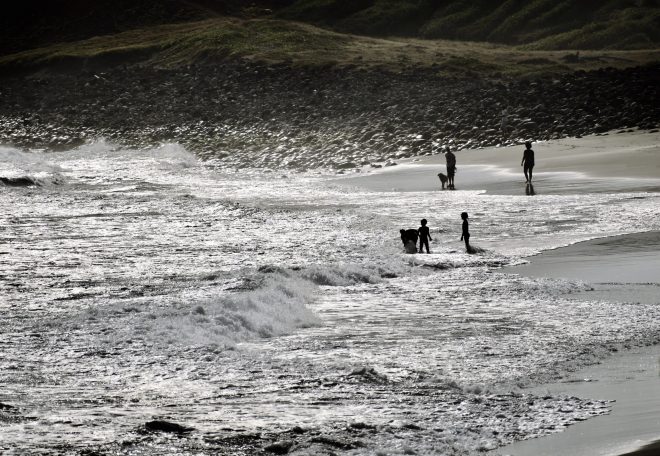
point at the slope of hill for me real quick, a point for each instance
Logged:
(29, 24)
(300, 44)
(537, 24)
(543, 24)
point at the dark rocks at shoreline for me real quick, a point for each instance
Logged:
(164, 426)
(274, 116)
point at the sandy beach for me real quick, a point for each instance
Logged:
(619, 268)
(616, 162)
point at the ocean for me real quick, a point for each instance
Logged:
(267, 306)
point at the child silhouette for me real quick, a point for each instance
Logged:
(466, 233)
(424, 237)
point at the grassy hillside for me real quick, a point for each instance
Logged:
(537, 24)
(28, 24)
(541, 24)
(294, 43)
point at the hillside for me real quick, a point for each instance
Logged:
(242, 83)
(299, 44)
(536, 24)
(541, 24)
(35, 23)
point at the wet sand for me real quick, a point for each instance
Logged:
(620, 269)
(631, 379)
(616, 162)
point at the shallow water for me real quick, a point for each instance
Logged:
(143, 284)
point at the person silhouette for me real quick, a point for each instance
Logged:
(451, 167)
(466, 233)
(424, 237)
(528, 161)
(409, 239)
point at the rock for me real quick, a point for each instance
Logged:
(7, 407)
(279, 447)
(164, 426)
(346, 165)
(369, 374)
(297, 430)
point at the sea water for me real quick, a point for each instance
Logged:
(148, 284)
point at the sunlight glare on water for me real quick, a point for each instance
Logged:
(145, 283)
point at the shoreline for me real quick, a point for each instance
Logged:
(619, 268)
(630, 163)
(629, 378)
(279, 116)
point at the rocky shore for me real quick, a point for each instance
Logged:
(250, 114)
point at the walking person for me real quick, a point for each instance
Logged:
(424, 237)
(466, 233)
(528, 162)
(451, 167)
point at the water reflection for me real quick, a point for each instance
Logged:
(529, 189)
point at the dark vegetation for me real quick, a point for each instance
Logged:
(543, 24)
(539, 24)
(28, 24)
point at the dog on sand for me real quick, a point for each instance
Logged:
(443, 179)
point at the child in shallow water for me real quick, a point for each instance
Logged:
(466, 233)
(424, 237)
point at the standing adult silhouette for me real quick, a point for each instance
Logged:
(528, 161)
(451, 167)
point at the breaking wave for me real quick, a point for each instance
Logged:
(25, 169)
(273, 302)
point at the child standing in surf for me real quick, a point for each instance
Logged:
(424, 237)
(466, 233)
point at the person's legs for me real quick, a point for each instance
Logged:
(531, 168)
(526, 176)
(467, 243)
(426, 244)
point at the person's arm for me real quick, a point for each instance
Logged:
(523, 160)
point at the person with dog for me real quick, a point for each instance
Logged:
(451, 167)
(528, 162)
(466, 233)
(424, 237)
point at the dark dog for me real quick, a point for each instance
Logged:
(443, 179)
(409, 239)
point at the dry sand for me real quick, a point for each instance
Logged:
(620, 268)
(613, 162)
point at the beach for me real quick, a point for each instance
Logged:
(617, 268)
(616, 162)
(278, 310)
